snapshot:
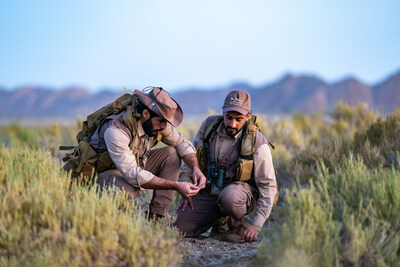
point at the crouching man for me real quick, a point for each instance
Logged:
(128, 138)
(236, 159)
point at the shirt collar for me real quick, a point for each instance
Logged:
(140, 129)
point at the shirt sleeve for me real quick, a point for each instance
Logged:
(264, 175)
(186, 172)
(172, 137)
(117, 142)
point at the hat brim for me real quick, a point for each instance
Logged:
(175, 119)
(237, 109)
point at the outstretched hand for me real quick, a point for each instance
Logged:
(184, 202)
(251, 233)
(187, 189)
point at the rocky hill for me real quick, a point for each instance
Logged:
(289, 94)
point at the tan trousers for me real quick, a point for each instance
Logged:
(235, 200)
(162, 162)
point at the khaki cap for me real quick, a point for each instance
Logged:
(159, 101)
(237, 101)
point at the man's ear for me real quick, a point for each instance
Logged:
(145, 114)
(248, 116)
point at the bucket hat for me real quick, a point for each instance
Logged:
(159, 101)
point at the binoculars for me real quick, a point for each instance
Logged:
(215, 177)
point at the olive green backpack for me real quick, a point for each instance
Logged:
(83, 161)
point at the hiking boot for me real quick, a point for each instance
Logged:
(219, 229)
(217, 233)
(235, 234)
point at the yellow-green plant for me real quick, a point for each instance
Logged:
(47, 221)
(345, 207)
(48, 137)
(350, 216)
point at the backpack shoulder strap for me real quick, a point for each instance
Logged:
(210, 133)
(211, 129)
(246, 146)
(252, 130)
(246, 151)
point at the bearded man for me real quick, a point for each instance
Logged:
(236, 158)
(129, 137)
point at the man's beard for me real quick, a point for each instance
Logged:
(231, 131)
(148, 128)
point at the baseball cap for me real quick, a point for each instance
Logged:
(237, 100)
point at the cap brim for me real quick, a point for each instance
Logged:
(237, 109)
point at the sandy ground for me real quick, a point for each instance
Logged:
(205, 251)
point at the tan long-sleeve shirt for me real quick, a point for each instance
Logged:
(117, 142)
(264, 173)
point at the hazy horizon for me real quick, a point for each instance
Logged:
(204, 88)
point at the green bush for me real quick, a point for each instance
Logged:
(344, 209)
(380, 143)
(330, 140)
(350, 216)
(48, 137)
(16, 136)
(44, 220)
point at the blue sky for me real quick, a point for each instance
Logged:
(182, 43)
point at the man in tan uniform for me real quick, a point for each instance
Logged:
(128, 138)
(234, 198)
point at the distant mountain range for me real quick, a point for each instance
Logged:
(287, 95)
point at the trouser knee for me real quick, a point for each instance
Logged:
(234, 199)
(172, 156)
(185, 226)
(164, 162)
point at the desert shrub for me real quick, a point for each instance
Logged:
(16, 136)
(344, 209)
(355, 117)
(46, 220)
(48, 137)
(189, 130)
(334, 138)
(376, 141)
(350, 216)
(379, 144)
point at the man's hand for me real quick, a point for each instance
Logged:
(198, 178)
(184, 202)
(251, 233)
(187, 189)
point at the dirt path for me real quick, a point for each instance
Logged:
(205, 251)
